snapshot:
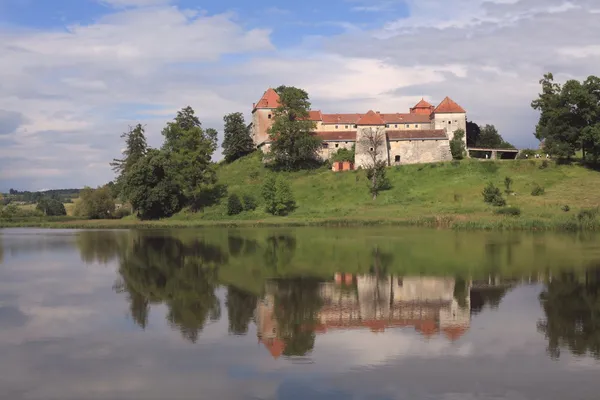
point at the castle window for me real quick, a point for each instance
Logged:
(325, 145)
(269, 116)
(397, 159)
(371, 149)
(395, 126)
(407, 125)
(416, 126)
(449, 122)
(337, 145)
(345, 142)
(346, 127)
(455, 121)
(356, 126)
(336, 127)
(387, 125)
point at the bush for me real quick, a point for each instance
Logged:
(343, 155)
(122, 213)
(566, 208)
(457, 145)
(537, 190)
(95, 203)
(249, 203)
(514, 211)
(545, 164)
(508, 185)
(278, 196)
(527, 153)
(492, 195)
(589, 214)
(234, 205)
(51, 207)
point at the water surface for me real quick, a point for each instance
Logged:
(298, 314)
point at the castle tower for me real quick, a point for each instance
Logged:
(449, 116)
(370, 125)
(422, 108)
(262, 116)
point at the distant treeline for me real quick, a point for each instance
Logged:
(64, 195)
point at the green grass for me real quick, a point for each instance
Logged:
(441, 194)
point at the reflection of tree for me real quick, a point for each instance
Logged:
(240, 310)
(572, 307)
(280, 251)
(162, 269)
(461, 291)
(491, 296)
(99, 246)
(297, 304)
(241, 246)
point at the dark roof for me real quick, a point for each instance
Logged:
(337, 135)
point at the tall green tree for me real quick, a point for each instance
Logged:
(569, 116)
(51, 207)
(457, 145)
(135, 148)
(95, 203)
(190, 149)
(237, 141)
(473, 133)
(153, 186)
(489, 138)
(294, 144)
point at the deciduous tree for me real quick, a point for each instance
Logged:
(372, 143)
(294, 143)
(237, 141)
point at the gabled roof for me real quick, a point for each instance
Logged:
(315, 115)
(337, 135)
(341, 118)
(448, 106)
(423, 104)
(399, 118)
(270, 99)
(371, 118)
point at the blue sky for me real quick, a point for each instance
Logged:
(75, 73)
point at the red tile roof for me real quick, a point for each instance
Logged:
(275, 346)
(448, 106)
(399, 118)
(423, 104)
(337, 135)
(341, 118)
(270, 99)
(315, 115)
(455, 332)
(416, 134)
(371, 118)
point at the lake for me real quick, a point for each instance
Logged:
(381, 313)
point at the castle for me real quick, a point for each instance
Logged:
(420, 136)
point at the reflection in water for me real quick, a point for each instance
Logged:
(290, 312)
(572, 306)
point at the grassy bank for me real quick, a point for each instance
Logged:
(436, 195)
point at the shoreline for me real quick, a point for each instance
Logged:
(449, 222)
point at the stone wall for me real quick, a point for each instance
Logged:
(450, 123)
(363, 157)
(419, 151)
(333, 146)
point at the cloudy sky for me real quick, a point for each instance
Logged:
(75, 73)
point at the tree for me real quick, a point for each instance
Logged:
(457, 145)
(135, 148)
(372, 143)
(234, 205)
(95, 203)
(237, 141)
(278, 196)
(240, 310)
(294, 143)
(473, 133)
(152, 186)
(190, 149)
(344, 155)
(568, 114)
(489, 138)
(51, 207)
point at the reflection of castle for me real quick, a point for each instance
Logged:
(352, 302)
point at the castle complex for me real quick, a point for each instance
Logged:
(420, 136)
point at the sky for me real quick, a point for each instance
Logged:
(75, 74)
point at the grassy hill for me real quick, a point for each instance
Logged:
(436, 194)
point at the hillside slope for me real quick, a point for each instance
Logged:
(442, 190)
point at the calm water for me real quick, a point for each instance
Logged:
(298, 314)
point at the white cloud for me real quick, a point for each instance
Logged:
(134, 3)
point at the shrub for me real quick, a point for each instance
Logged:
(589, 214)
(234, 205)
(278, 196)
(95, 203)
(527, 153)
(492, 195)
(51, 207)
(508, 184)
(566, 208)
(249, 203)
(545, 164)
(122, 212)
(514, 211)
(537, 190)
(343, 155)
(457, 145)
